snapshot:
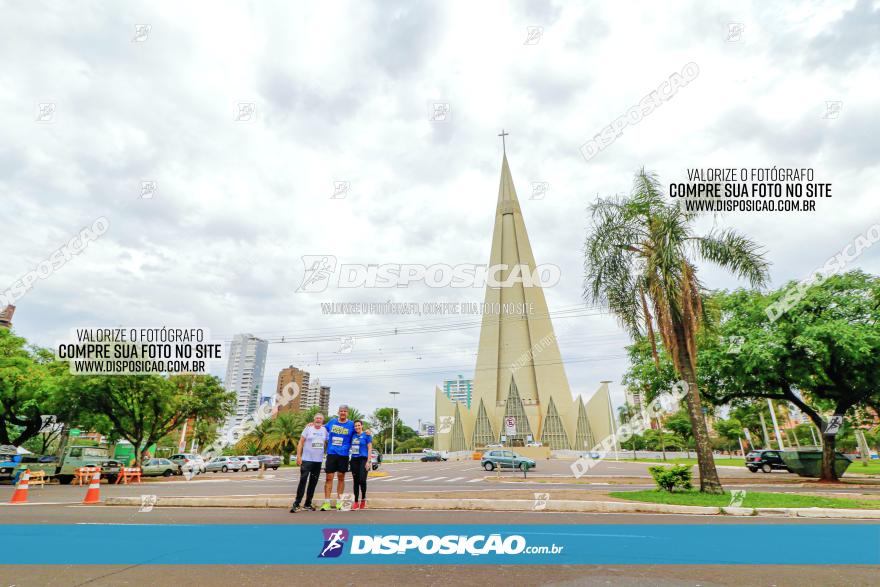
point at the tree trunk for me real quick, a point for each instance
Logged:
(709, 481)
(829, 474)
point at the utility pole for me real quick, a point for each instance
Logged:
(394, 395)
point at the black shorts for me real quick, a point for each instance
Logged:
(337, 464)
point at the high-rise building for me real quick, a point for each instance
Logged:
(308, 393)
(6, 316)
(459, 390)
(520, 389)
(297, 382)
(244, 376)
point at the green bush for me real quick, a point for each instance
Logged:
(672, 478)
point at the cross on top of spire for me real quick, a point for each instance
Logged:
(503, 145)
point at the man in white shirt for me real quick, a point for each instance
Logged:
(309, 455)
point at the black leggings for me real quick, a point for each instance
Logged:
(359, 473)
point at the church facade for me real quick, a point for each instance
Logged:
(520, 389)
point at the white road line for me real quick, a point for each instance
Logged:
(416, 479)
(454, 479)
(474, 480)
(400, 478)
(435, 479)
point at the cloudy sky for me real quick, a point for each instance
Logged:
(92, 106)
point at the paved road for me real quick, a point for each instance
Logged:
(393, 575)
(415, 478)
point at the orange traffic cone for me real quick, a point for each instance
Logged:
(20, 495)
(93, 495)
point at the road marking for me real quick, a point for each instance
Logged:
(455, 479)
(435, 479)
(400, 478)
(474, 480)
(416, 479)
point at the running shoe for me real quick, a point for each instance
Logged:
(294, 508)
(339, 505)
(309, 508)
(363, 505)
(325, 507)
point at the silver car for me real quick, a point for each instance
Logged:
(250, 463)
(224, 464)
(188, 461)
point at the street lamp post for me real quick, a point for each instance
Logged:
(394, 395)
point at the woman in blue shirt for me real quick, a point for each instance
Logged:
(361, 458)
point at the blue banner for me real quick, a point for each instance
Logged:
(282, 544)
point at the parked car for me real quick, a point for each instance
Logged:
(187, 460)
(224, 464)
(535, 444)
(495, 445)
(270, 461)
(766, 460)
(432, 455)
(159, 467)
(377, 459)
(249, 463)
(505, 459)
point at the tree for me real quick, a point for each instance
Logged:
(284, 433)
(144, 408)
(680, 425)
(730, 431)
(640, 264)
(822, 355)
(28, 381)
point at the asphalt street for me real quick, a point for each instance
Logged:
(431, 477)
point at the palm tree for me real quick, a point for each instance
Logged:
(639, 264)
(284, 434)
(254, 442)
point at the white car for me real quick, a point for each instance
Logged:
(249, 463)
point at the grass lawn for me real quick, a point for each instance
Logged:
(873, 467)
(753, 499)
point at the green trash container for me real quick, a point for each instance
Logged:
(808, 463)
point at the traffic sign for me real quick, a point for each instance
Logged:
(510, 425)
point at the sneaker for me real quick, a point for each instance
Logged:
(363, 505)
(339, 505)
(294, 508)
(356, 505)
(325, 507)
(309, 508)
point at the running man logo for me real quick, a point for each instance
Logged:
(334, 542)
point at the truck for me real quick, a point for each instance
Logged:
(64, 468)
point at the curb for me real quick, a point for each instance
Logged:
(514, 505)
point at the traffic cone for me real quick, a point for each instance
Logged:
(20, 495)
(93, 495)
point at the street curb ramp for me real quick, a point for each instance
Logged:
(511, 505)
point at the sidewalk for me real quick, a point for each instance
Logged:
(513, 505)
